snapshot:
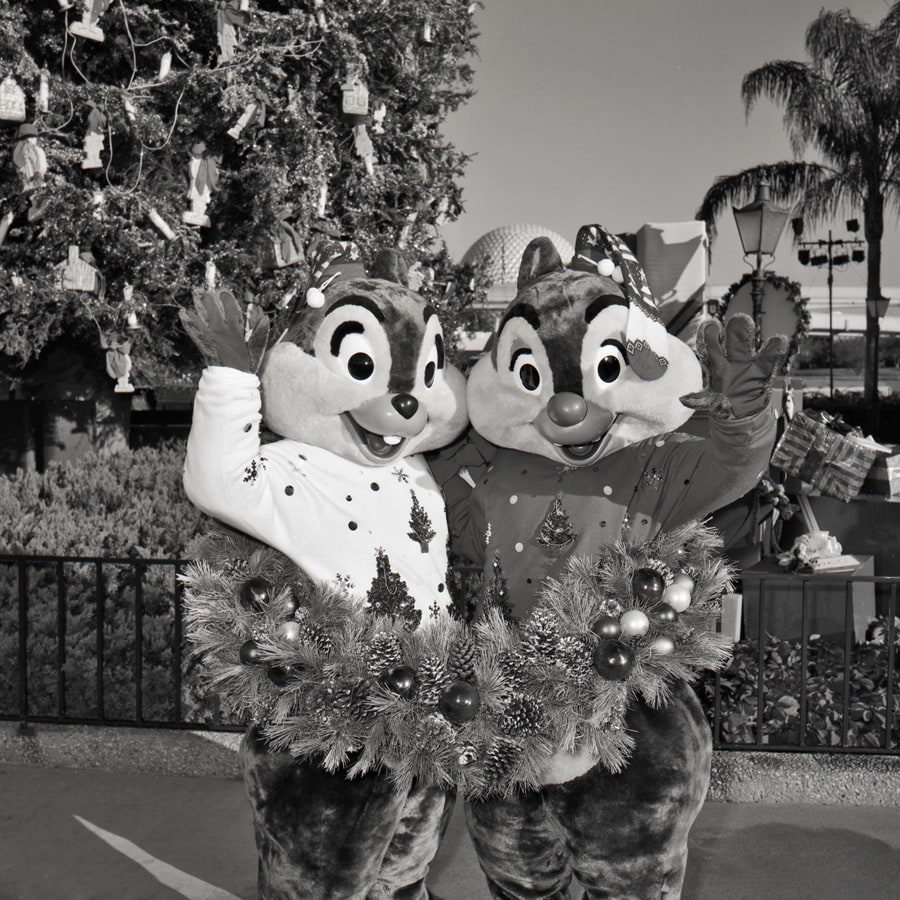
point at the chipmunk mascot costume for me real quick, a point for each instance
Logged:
(356, 389)
(575, 408)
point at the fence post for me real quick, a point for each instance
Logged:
(24, 727)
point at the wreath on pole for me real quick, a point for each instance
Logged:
(480, 707)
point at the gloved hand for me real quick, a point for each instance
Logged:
(216, 325)
(737, 377)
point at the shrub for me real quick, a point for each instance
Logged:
(781, 684)
(126, 504)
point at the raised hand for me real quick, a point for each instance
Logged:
(737, 376)
(217, 326)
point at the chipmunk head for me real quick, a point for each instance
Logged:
(580, 365)
(361, 370)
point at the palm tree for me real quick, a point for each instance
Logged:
(844, 104)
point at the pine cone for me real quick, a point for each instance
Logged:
(432, 732)
(513, 669)
(461, 660)
(432, 677)
(384, 651)
(575, 655)
(500, 759)
(359, 707)
(236, 569)
(523, 716)
(541, 637)
(315, 634)
(342, 700)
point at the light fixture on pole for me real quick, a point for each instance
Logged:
(879, 307)
(760, 225)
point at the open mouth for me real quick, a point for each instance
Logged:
(579, 452)
(380, 446)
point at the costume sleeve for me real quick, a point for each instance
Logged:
(457, 468)
(224, 471)
(705, 475)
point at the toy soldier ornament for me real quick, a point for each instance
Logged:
(203, 181)
(88, 27)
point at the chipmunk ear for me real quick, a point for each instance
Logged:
(540, 258)
(390, 265)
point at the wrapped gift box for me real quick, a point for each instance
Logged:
(883, 479)
(824, 453)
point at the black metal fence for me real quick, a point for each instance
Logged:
(100, 641)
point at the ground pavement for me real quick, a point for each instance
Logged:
(69, 834)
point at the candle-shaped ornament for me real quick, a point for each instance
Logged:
(161, 224)
(165, 65)
(88, 27)
(43, 99)
(245, 119)
(211, 275)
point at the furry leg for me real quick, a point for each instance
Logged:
(627, 833)
(425, 816)
(318, 835)
(519, 847)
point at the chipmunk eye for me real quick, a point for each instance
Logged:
(360, 366)
(529, 377)
(609, 368)
(611, 361)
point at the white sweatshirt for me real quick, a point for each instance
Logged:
(332, 517)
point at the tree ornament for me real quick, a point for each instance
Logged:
(678, 595)
(29, 158)
(322, 200)
(12, 101)
(364, 149)
(255, 594)
(118, 362)
(78, 273)
(634, 623)
(279, 675)
(204, 179)
(161, 224)
(88, 27)
(247, 116)
(43, 98)
(613, 660)
(230, 15)
(319, 7)
(291, 603)
(400, 680)
(165, 65)
(684, 579)
(355, 97)
(94, 139)
(607, 627)
(5, 221)
(210, 275)
(65, 5)
(427, 32)
(286, 248)
(662, 645)
(467, 755)
(664, 614)
(459, 702)
(290, 631)
(647, 586)
(378, 115)
(249, 653)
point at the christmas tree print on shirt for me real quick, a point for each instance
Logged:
(555, 530)
(420, 525)
(388, 594)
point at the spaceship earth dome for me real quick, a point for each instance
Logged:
(499, 252)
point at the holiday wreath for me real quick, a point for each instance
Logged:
(482, 707)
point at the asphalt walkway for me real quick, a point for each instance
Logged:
(69, 834)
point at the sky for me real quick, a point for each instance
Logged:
(623, 112)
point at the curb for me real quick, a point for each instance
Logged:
(738, 776)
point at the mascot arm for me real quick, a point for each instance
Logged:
(457, 468)
(225, 473)
(705, 475)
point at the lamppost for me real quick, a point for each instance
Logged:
(759, 225)
(856, 254)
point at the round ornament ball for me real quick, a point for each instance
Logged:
(249, 653)
(255, 594)
(634, 623)
(647, 586)
(291, 604)
(607, 627)
(459, 702)
(613, 660)
(278, 675)
(678, 595)
(665, 614)
(290, 631)
(684, 579)
(662, 645)
(401, 680)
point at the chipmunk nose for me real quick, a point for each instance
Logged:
(405, 404)
(566, 409)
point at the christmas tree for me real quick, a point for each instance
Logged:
(420, 525)
(148, 149)
(388, 594)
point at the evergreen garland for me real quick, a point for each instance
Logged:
(483, 707)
